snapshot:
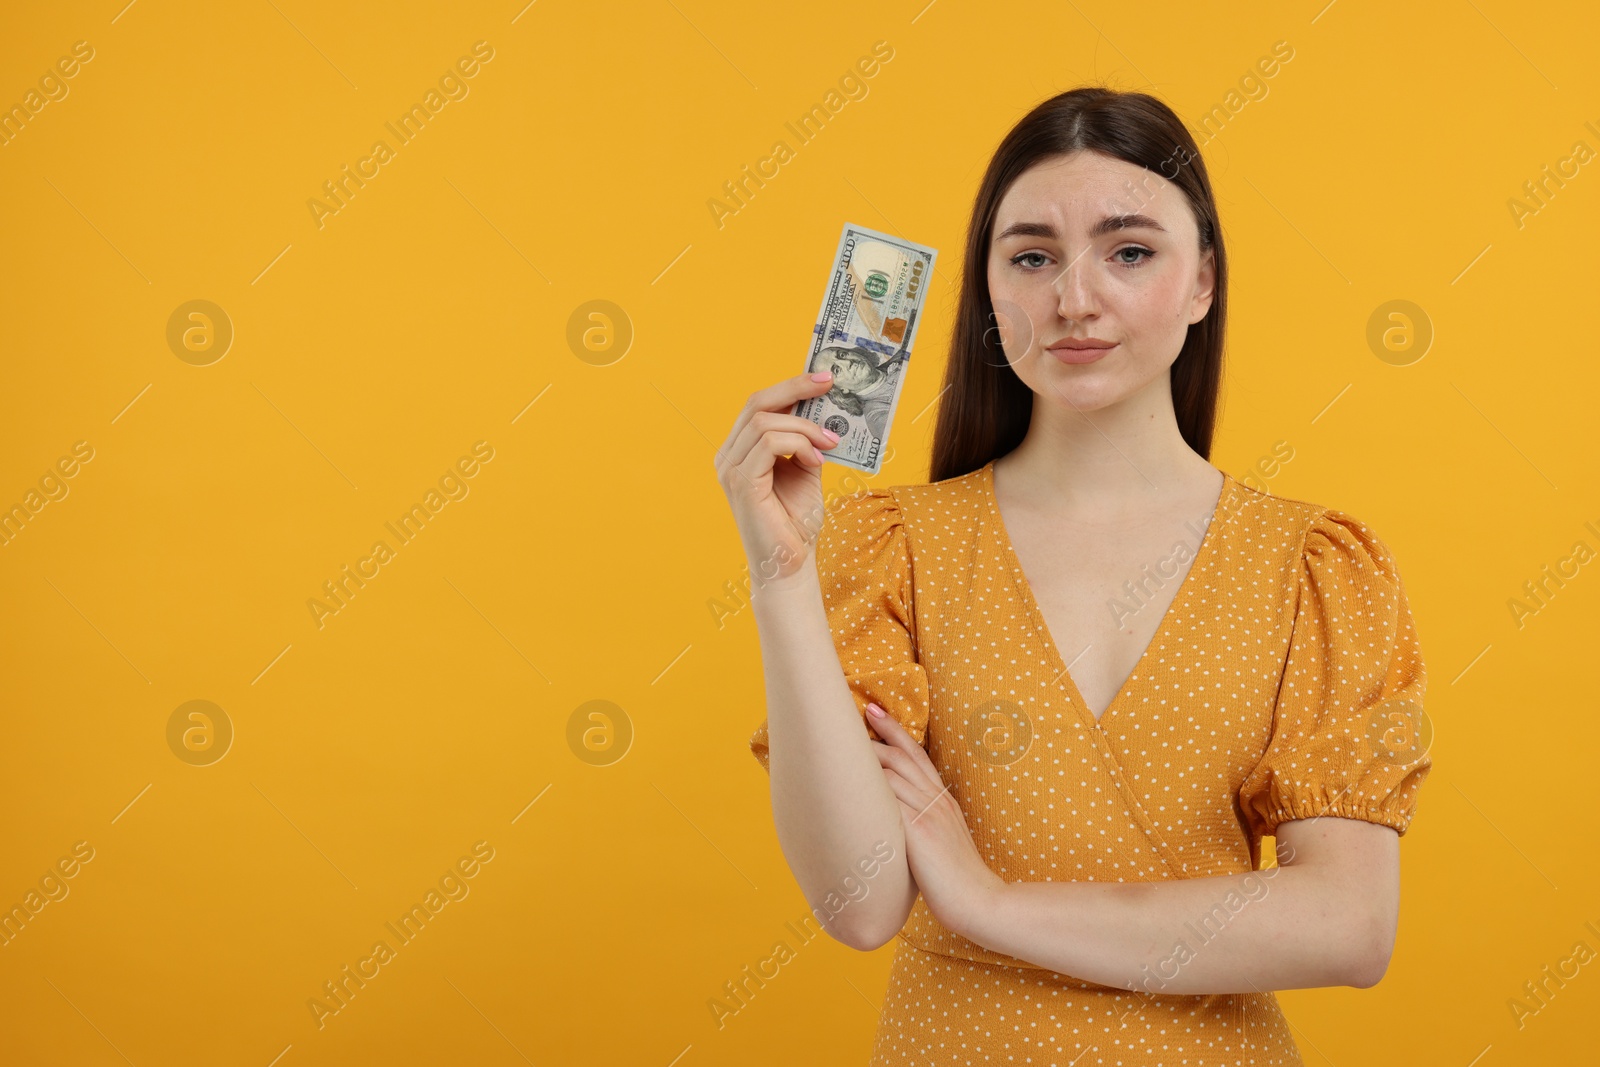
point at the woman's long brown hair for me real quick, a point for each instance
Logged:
(986, 407)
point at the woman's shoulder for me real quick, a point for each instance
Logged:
(948, 501)
(1306, 532)
(860, 511)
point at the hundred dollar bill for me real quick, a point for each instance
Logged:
(864, 335)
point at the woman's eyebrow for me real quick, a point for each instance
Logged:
(1106, 225)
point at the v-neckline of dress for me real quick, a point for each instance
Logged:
(1035, 614)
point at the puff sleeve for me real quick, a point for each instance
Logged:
(1348, 726)
(864, 569)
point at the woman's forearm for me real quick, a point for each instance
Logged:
(1279, 928)
(831, 806)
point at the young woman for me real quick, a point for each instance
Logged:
(1094, 670)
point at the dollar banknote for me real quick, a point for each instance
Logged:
(864, 334)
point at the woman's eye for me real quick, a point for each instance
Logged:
(1017, 260)
(1146, 254)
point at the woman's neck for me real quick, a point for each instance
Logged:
(1118, 461)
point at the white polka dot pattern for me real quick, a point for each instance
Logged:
(1253, 704)
(943, 1011)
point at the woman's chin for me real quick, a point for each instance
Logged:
(1082, 389)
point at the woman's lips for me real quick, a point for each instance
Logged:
(1068, 354)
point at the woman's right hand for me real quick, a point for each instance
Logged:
(770, 468)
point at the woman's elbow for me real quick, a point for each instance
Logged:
(863, 932)
(866, 930)
(862, 938)
(1369, 971)
(1374, 947)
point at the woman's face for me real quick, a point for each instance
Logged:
(1053, 278)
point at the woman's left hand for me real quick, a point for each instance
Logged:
(949, 872)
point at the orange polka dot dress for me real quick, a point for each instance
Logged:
(1279, 685)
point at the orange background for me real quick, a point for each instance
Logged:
(585, 560)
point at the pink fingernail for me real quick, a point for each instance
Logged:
(879, 712)
(830, 434)
(822, 375)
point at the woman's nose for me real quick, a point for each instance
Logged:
(1075, 288)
